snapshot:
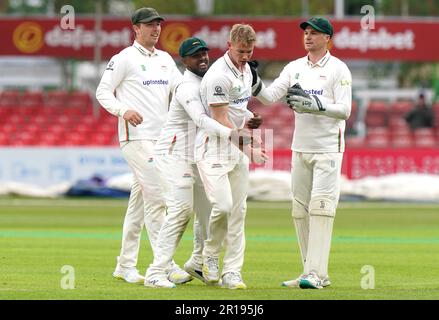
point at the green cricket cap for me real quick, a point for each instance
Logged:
(320, 24)
(145, 15)
(190, 46)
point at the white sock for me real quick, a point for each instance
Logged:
(319, 244)
(302, 232)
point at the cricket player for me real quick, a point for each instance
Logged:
(318, 87)
(225, 91)
(136, 87)
(174, 160)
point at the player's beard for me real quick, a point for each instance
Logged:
(200, 71)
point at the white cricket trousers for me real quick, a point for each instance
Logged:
(226, 185)
(316, 191)
(146, 204)
(184, 192)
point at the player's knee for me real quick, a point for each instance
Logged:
(322, 206)
(223, 207)
(185, 207)
(299, 211)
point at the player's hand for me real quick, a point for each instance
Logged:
(256, 141)
(255, 122)
(241, 137)
(256, 80)
(133, 117)
(301, 102)
(256, 155)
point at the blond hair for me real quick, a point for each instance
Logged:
(242, 33)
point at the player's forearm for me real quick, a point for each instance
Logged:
(248, 115)
(225, 121)
(195, 110)
(268, 95)
(273, 93)
(220, 113)
(213, 127)
(108, 101)
(337, 111)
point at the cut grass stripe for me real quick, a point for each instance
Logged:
(87, 202)
(117, 236)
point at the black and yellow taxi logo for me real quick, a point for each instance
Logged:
(28, 37)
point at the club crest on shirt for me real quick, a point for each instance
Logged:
(110, 66)
(236, 87)
(218, 91)
(143, 67)
(296, 76)
(164, 68)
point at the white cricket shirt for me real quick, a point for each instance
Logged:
(330, 80)
(140, 80)
(223, 84)
(186, 112)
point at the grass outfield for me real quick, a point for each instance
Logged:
(39, 237)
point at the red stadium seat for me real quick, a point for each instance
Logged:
(56, 98)
(24, 138)
(402, 141)
(424, 133)
(398, 123)
(400, 108)
(4, 139)
(107, 129)
(49, 139)
(378, 137)
(377, 114)
(379, 141)
(56, 129)
(32, 128)
(10, 98)
(79, 99)
(425, 142)
(378, 131)
(76, 139)
(355, 142)
(32, 99)
(8, 128)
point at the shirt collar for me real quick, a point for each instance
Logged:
(232, 67)
(143, 50)
(321, 63)
(190, 74)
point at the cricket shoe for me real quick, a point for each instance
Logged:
(233, 280)
(178, 276)
(130, 275)
(211, 270)
(159, 282)
(194, 269)
(293, 283)
(311, 281)
(326, 282)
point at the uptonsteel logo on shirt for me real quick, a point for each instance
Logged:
(242, 100)
(159, 82)
(312, 91)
